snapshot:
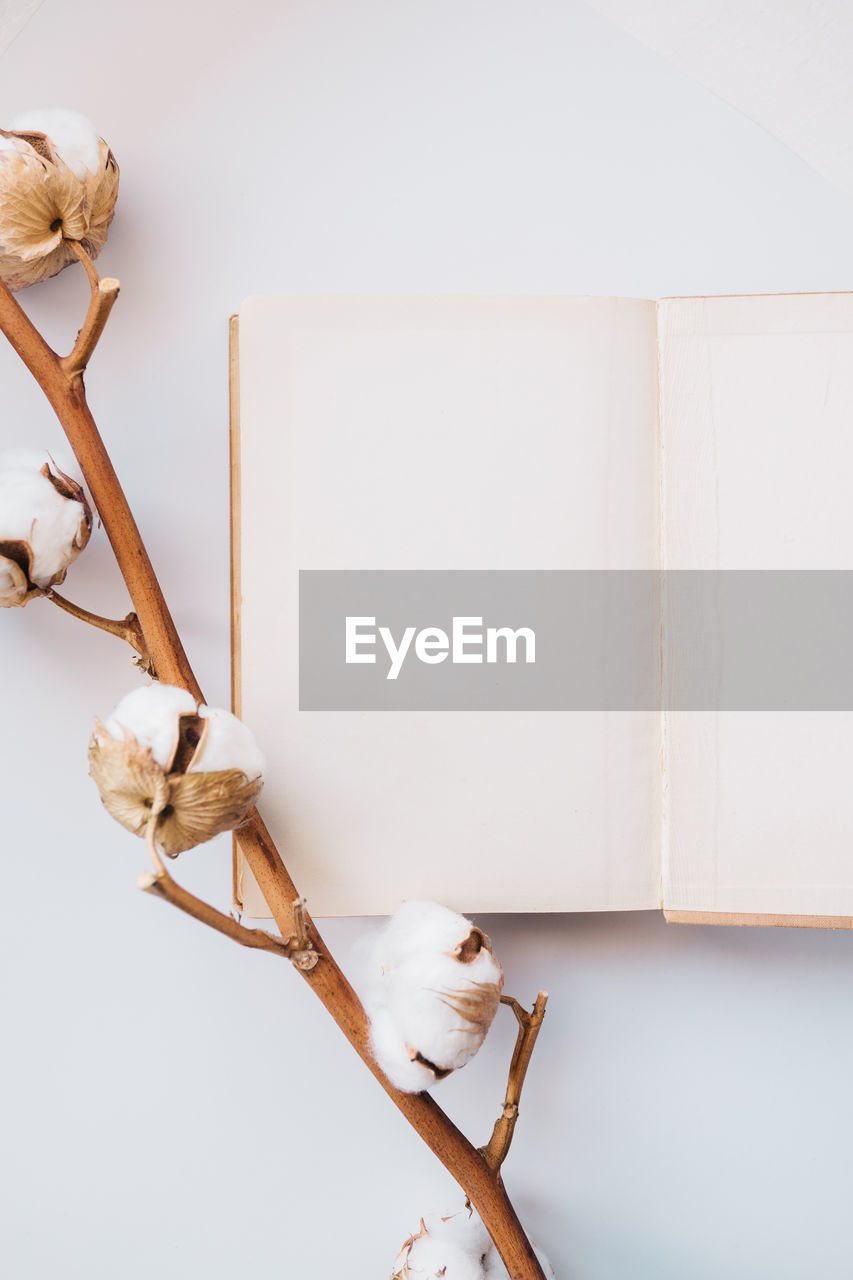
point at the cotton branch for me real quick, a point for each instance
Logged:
(528, 1029)
(62, 384)
(127, 628)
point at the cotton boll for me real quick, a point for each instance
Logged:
(459, 1242)
(432, 987)
(58, 185)
(151, 714)
(45, 522)
(73, 135)
(144, 763)
(227, 744)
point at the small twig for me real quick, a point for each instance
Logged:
(104, 294)
(498, 1146)
(127, 629)
(161, 885)
(298, 949)
(86, 258)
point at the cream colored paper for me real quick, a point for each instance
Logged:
(465, 433)
(756, 409)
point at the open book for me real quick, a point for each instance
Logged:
(448, 442)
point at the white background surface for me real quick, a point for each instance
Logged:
(173, 1106)
(786, 64)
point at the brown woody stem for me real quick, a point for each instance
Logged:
(127, 629)
(104, 294)
(497, 1149)
(64, 388)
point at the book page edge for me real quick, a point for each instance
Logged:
(765, 919)
(237, 868)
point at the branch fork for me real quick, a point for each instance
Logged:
(104, 294)
(127, 628)
(162, 885)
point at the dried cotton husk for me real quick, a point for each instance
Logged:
(149, 764)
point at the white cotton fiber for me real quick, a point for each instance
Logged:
(390, 1051)
(430, 987)
(430, 1257)
(54, 527)
(459, 1243)
(419, 926)
(150, 714)
(444, 1007)
(72, 134)
(227, 744)
(465, 1228)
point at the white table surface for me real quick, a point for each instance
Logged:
(172, 1105)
